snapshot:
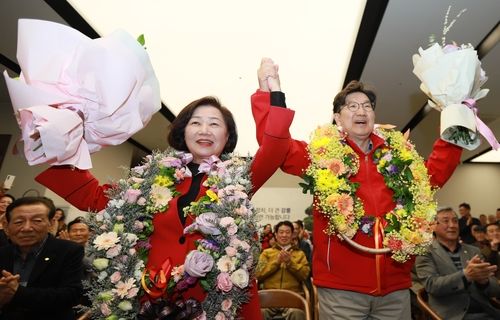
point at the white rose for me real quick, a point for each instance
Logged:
(240, 278)
(101, 263)
(125, 305)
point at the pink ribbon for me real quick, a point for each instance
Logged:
(483, 129)
(207, 164)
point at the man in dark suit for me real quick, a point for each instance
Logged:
(457, 279)
(41, 275)
(466, 222)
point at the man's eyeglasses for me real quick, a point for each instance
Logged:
(354, 106)
(447, 221)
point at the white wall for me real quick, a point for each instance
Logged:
(475, 183)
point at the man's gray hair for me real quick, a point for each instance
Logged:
(444, 209)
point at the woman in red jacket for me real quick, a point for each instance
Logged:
(354, 284)
(205, 129)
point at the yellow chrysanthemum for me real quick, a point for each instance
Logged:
(213, 196)
(405, 155)
(163, 181)
(320, 143)
(326, 180)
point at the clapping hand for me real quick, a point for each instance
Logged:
(284, 257)
(479, 271)
(8, 286)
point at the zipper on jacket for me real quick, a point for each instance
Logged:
(328, 254)
(378, 257)
(282, 271)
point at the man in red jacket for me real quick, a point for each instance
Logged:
(353, 284)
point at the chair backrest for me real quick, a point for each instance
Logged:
(423, 299)
(279, 298)
(315, 301)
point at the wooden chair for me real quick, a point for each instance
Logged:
(307, 294)
(279, 298)
(315, 301)
(85, 316)
(422, 299)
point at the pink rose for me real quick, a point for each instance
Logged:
(131, 195)
(228, 223)
(203, 316)
(198, 263)
(114, 251)
(141, 201)
(138, 225)
(220, 316)
(132, 292)
(105, 310)
(115, 277)
(231, 251)
(245, 246)
(224, 282)
(226, 304)
(242, 211)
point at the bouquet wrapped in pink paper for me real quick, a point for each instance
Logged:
(452, 77)
(76, 95)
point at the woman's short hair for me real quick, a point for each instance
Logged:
(176, 135)
(353, 86)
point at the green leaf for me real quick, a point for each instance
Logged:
(205, 285)
(141, 40)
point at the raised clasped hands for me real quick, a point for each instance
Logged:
(479, 271)
(8, 286)
(268, 75)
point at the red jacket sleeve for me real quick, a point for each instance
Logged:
(296, 159)
(78, 187)
(442, 162)
(275, 141)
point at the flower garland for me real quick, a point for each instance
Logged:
(334, 162)
(222, 262)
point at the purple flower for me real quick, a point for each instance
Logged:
(185, 157)
(206, 223)
(190, 280)
(366, 224)
(131, 195)
(143, 244)
(209, 244)
(182, 285)
(198, 264)
(392, 169)
(171, 162)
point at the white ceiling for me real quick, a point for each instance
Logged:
(221, 56)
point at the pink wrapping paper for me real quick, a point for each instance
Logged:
(76, 95)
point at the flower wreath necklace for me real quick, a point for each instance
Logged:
(334, 162)
(221, 264)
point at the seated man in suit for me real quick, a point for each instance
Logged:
(284, 266)
(457, 279)
(41, 275)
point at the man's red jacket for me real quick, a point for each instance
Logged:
(335, 263)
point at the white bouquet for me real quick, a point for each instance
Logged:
(452, 77)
